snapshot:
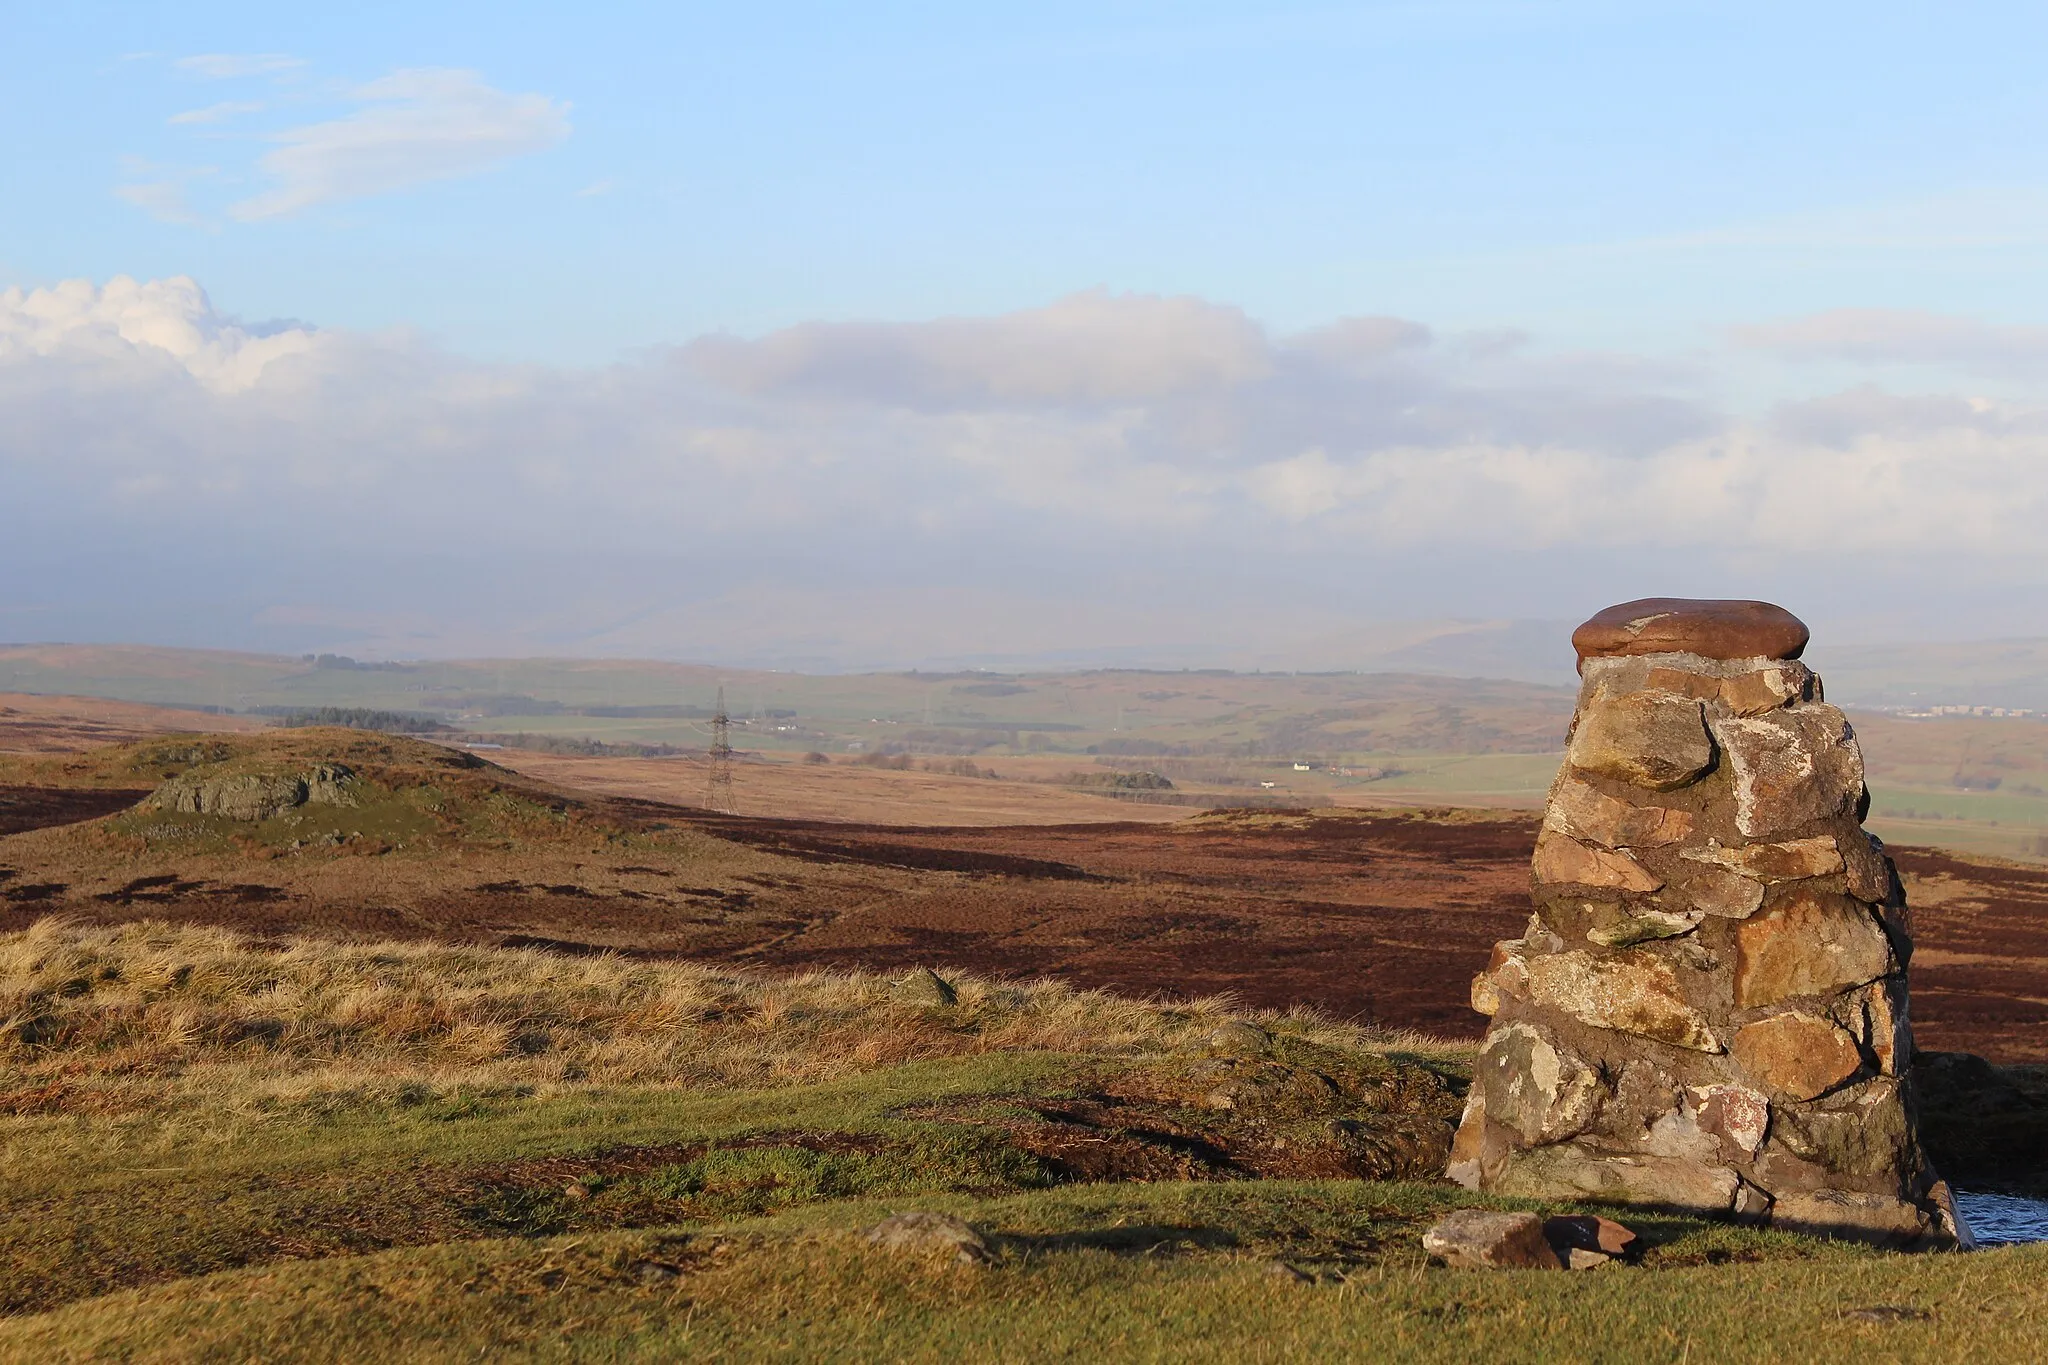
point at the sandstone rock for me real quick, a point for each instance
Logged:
(1868, 870)
(1767, 689)
(1572, 1171)
(1684, 682)
(1634, 992)
(1647, 739)
(1790, 768)
(1877, 1218)
(1810, 943)
(1560, 859)
(1877, 1015)
(1589, 1232)
(1678, 1135)
(1585, 812)
(1507, 974)
(1736, 1115)
(1857, 1132)
(1751, 1203)
(1792, 861)
(929, 1232)
(1479, 1146)
(1480, 1239)
(1680, 625)
(1949, 1217)
(1715, 891)
(1542, 1092)
(1643, 926)
(1796, 1054)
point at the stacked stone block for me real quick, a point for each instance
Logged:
(1708, 1008)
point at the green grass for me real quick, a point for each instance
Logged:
(658, 1161)
(1493, 779)
(1163, 1272)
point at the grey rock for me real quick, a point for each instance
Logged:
(923, 1232)
(1540, 1090)
(1237, 1038)
(255, 796)
(1791, 768)
(1572, 1171)
(926, 987)
(1480, 1239)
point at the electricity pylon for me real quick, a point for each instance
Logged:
(720, 797)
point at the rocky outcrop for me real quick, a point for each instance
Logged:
(255, 795)
(1708, 1008)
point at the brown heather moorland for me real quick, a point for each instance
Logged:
(1380, 917)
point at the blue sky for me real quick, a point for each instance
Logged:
(1634, 173)
(896, 333)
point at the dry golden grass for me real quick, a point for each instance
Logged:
(118, 1019)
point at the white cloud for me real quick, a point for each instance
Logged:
(1888, 336)
(415, 126)
(131, 323)
(163, 200)
(1092, 348)
(1100, 437)
(217, 113)
(234, 65)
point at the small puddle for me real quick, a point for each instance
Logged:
(2003, 1219)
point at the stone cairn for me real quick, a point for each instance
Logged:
(1708, 1008)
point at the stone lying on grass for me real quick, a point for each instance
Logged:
(1480, 1239)
(919, 1231)
(926, 987)
(1586, 1241)
(1236, 1038)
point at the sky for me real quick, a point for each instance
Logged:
(841, 336)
